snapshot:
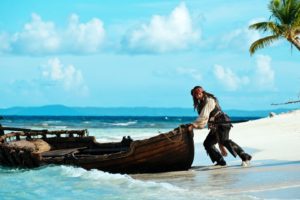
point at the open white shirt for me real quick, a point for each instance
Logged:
(203, 118)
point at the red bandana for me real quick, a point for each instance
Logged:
(197, 91)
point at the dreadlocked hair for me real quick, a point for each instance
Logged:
(199, 104)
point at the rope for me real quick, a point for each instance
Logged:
(178, 139)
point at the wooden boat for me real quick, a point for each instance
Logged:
(169, 151)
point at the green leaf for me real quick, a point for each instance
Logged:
(284, 22)
(263, 42)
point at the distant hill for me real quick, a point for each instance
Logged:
(60, 110)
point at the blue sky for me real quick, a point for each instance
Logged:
(140, 53)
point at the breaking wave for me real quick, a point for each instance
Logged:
(124, 123)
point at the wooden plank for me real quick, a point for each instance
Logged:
(179, 152)
(99, 151)
(61, 152)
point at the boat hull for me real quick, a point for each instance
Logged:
(170, 151)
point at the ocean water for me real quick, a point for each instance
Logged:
(282, 180)
(102, 127)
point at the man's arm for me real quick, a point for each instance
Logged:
(202, 119)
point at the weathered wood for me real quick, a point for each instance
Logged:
(28, 160)
(165, 152)
(40, 133)
(100, 151)
(5, 128)
(4, 159)
(143, 159)
(21, 157)
(15, 157)
(9, 159)
(60, 152)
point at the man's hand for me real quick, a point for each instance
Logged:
(223, 150)
(191, 127)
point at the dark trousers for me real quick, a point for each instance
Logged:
(220, 134)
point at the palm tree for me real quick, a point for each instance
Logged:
(284, 23)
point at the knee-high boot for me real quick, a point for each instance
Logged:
(214, 153)
(235, 150)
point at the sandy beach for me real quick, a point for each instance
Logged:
(275, 168)
(273, 138)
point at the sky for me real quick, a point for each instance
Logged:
(141, 53)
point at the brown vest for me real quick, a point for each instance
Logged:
(214, 112)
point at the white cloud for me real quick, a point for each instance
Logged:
(37, 37)
(68, 76)
(261, 77)
(264, 74)
(84, 37)
(5, 42)
(229, 79)
(40, 37)
(163, 33)
(240, 38)
(190, 72)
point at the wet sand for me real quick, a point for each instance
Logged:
(267, 179)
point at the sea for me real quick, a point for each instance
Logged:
(200, 182)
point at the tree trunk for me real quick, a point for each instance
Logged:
(295, 42)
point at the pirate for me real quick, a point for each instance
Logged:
(211, 114)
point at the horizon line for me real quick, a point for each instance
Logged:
(134, 107)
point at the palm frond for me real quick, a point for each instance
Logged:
(275, 8)
(263, 42)
(261, 26)
(291, 11)
(284, 12)
(297, 15)
(284, 22)
(274, 28)
(296, 31)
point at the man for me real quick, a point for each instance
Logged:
(219, 124)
